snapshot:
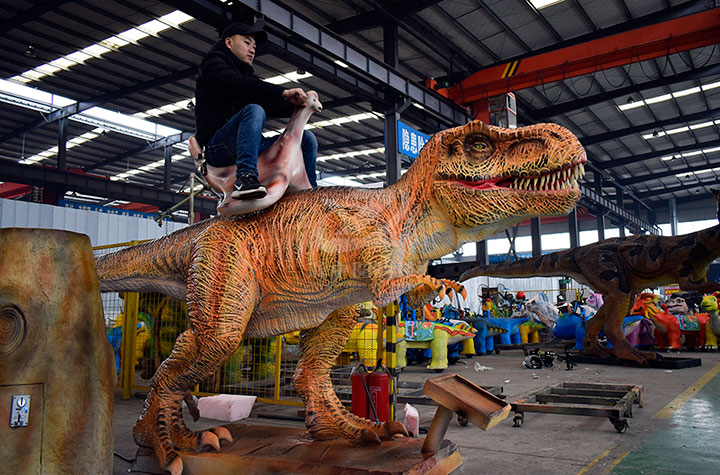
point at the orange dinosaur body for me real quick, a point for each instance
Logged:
(306, 262)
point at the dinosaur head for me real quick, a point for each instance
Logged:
(709, 303)
(484, 175)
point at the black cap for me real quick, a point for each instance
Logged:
(256, 29)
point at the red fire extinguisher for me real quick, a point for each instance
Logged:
(371, 390)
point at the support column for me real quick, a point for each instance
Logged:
(62, 143)
(673, 217)
(621, 203)
(573, 229)
(601, 215)
(392, 158)
(535, 234)
(168, 168)
(481, 253)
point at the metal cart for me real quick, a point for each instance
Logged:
(613, 401)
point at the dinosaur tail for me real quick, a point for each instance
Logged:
(154, 266)
(547, 265)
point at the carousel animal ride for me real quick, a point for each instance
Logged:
(709, 304)
(669, 328)
(281, 168)
(309, 260)
(620, 268)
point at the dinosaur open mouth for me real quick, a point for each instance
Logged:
(564, 178)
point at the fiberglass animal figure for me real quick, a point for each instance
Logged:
(306, 262)
(620, 268)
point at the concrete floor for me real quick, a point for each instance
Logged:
(681, 438)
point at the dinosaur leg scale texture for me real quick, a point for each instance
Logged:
(326, 417)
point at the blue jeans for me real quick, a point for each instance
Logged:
(240, 140)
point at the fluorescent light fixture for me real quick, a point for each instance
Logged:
(677, 130)
(355, 153)
(287, 77)
(341, 64)
(697, 172)
(667, 97)
(539, 4)
(331, 122)
(133, 35)
(691, 154)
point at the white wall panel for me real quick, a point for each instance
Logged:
(102, 228)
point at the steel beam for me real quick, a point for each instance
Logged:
(361, 65)
(351, 143)
(158, 144)
(29, 15)
(652, 41)
(677, 189)
(99, 186)
(595, 199)
(97, 100)
(374, 18)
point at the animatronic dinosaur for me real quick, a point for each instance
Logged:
(669, 328)
(309, 260)
(620, 268)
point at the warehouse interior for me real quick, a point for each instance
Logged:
(97, 106)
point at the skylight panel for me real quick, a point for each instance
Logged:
(133, 35)
(540, 4)
(657, 133)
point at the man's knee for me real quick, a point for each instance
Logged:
(253, 112)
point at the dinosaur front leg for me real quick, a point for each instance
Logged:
(326, 417)
(420, 289)
(218, 311)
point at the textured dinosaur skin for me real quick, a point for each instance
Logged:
(306, 262)
(619, 268)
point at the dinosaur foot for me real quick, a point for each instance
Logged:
(594, 349)
(162, 429)
(341, 423)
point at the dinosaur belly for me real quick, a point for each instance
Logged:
(284, 312)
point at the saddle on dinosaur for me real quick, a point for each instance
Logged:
(307, 262)
(281, 168)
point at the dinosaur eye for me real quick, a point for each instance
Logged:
(479, 146)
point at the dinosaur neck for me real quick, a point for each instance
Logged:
(426, 232)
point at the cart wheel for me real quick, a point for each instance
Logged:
(439, 370)
(621, 425)
(463, 421)
(468, 356)
(518, 420)
(497, 351)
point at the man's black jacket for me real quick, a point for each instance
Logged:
(224, 86)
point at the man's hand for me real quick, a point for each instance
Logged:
(295, 96)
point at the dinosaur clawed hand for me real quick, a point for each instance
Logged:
(431, 287)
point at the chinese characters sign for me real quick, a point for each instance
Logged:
(410, 141)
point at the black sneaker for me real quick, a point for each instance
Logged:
(247, 187)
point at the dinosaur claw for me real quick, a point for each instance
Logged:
(175, 467)
(395, 428)
(223, 434)
(209, 438)
(441, 292)
(368, 437)
(463, 292)
(450, 293)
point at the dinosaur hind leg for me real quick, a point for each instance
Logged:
(592, 332)
(218, 317)
(617, 307)
(326, 417)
